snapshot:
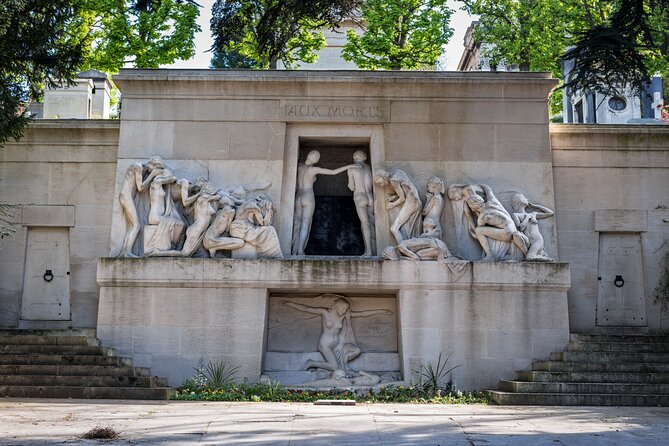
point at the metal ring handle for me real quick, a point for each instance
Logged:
(619, 281)
(48, 276)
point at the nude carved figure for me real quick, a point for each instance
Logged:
(337, 342)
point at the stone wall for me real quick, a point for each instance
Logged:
(59, 175)
(491, 318)
(610, 180)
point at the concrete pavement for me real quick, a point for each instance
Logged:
(50, 422)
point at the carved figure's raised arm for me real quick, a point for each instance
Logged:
(545, 212)
(366, 313)
(187, 200)
(142, 185)
(305, 308)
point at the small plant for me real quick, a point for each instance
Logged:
(215, 375)
(431, 377)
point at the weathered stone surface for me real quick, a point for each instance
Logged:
(508, 310)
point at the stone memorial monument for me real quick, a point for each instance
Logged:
(217, 196)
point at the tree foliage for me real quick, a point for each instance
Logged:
(141, 33)
(43, 44)
(614, 44)
(627, 48)
(532, 34)
(268, 31)
(399, 34)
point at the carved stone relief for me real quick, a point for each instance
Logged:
(181, 218)
(347, 353)
(502, 236)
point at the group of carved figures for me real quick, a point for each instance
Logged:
(182, 218)
(415, 226)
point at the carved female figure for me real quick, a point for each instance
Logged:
(434, 205)
(195, 232)
(337, 342)
(408, 222)
(305, 201)
(527, 223)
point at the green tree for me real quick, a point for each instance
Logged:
(625, 49)
(532, 34)
(268, 31)
(142, 33)
(399, 34)
(43, 44)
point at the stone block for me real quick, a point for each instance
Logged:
(236, 307)
(81, 183)
(257, 140)
(204, 341)
(156, 340)
(84, 308)
(202, 140)
(179, 307)
(157, 139)
(621, 220)
(119, 337)
(62, 216)
(17, 179)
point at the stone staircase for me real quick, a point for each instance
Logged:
(70, 364)
(595, 370)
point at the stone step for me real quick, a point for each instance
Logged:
(18, 349)
(623, 347)
(82, 381)
(47, 340)
(133, 393)
(577, 399)
(567, 366)
(636, 339)
(609, 357)
(85, 332)
(593, 377)
(63, 360)
(73, 370)
(598, 388)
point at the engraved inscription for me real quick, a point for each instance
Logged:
(372, 111)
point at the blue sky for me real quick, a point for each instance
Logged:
(459, 22)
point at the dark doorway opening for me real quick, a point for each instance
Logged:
(335, 228)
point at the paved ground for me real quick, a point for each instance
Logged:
(37, 422)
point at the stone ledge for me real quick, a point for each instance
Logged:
(333, 273)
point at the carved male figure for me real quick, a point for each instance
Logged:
(305, 200)
(360, 182)
(407, 223)
(426, 247)
(492, 222)
(214, 238)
